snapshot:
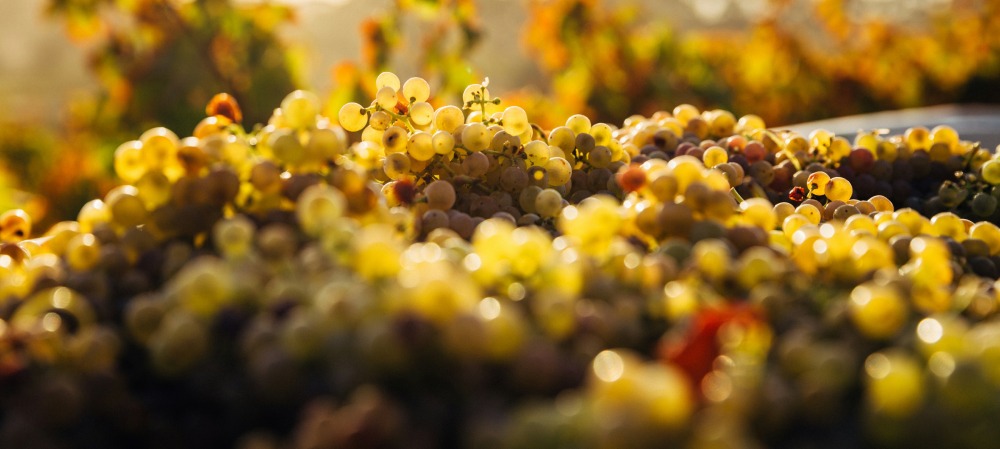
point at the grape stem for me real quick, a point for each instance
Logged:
(736, 195)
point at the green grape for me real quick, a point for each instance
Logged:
(817, 182)
(300, 109)
(839, 189)
(353, 117)
(319, 208)
(396, 166)
(180, 341)
(949, 225)
(448, 118)
(559, 171)
(721, 123)
(233, 237)
(395, 140)
(990, 172)
(416, 90)
(601, 132)
(159, 148)
(443, 143)
(420, 146)
(387, 79)
(895, 383)
(750, 122)
(918, 138)
(476, 137)
(327, 144)
(515, 121)
(421, 113)
(379, 121)
(537, 153)
(83, 252)
(386, 98)
(578, 123)
(714, 156)
(93, 214)
(127, 209)
(474, 92)
(129, 164)
(944, 134)
(878, 311)
(286, 147)
(563, 137)
(548, 203)
(989, 233)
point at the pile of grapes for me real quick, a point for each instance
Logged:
(422, 277)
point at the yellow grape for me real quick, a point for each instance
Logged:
(811, 212)
(817, 182)
(839, 189)
(420, 146)
(421, 113)
(416, 90)
(989, 233)
(949, 225)
(353, 117)
(578, 123)
(895, 385)
(129, 165)
(715, 155)
(879, 311)
(448, 118)
(515, 121)
(387, 79)
(944, 134)
(559, 171)
(300, 109)
(918, 138)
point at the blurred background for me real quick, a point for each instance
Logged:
(79, 77)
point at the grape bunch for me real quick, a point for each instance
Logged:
(417, 274)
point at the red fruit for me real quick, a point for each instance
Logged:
(695, 348)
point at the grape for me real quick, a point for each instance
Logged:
(839, 189)
(895, 384)
(476, 164)
(352, 117)
(473, 93)
(387, 79)
(386, 98)
(15, 226)
(578, 123)
(548, 203)
(421, 113)
(559, 171)
(515, 121)
(476, 137)
(416, 90)
(300, 108)
(817, 183)
(421, 146)
(990, 172)
(946, 135)
(562, 137)
(396, 166)
(395, 140)
(599, 157)
(440, 195)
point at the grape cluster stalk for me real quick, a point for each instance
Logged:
(411, 274)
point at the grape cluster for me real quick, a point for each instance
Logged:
(416, 275)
